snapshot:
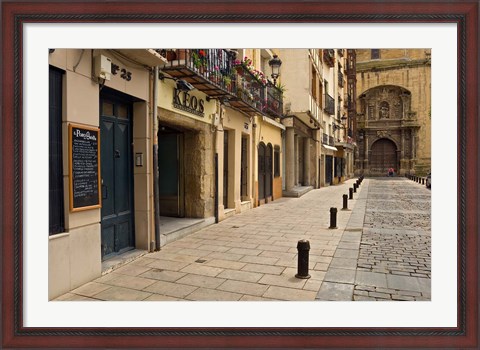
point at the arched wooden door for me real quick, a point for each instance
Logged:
(261, 171)
(383, 156)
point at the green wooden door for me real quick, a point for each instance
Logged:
(170, 172)
(117, 178)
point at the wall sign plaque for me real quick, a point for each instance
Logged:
(84, 167)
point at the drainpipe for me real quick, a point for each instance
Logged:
(156, 202)
(219, 108)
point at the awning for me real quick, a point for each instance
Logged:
(330, 147)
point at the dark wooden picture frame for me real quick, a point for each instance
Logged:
(463, 13)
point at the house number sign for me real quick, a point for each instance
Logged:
(124, 74)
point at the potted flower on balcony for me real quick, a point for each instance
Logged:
(171, 55)
(215, 75)
(238, 66)
(227, 82)
(199, 60)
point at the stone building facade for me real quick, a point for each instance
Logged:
(393, 111)
(149, 145)
(319, 140)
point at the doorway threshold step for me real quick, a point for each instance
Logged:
(172, 229)
(121, 259)
(297, 191)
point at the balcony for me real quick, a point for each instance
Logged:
(340, 79)
(274, 106)
(329, 104)
(216, 73)
(210, 70)
(250, 92)
(329, 57)
(325, 139)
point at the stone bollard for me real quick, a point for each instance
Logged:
(345, 202)
(333, 218)
(350, 193)
(303, 248)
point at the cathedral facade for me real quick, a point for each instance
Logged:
(393, 111)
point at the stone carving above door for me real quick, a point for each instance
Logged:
(385, 103)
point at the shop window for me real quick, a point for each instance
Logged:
(276, 161)
(55, 173)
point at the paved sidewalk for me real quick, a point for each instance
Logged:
(253, 255)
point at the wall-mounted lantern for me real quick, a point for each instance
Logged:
(275, 64)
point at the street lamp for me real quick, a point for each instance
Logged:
(275, 64)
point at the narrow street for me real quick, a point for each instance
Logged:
(381, 250)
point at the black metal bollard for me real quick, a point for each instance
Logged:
(350, 193)
(345, 202)
(303, 248)
(355, 188)
(423, 181)
(333, 218)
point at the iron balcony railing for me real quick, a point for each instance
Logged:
(329, 57)
(340, 79)
(325, 139)
(330, 140)
(214, 64)
(274, 101)
(329, 104)
(250, 89)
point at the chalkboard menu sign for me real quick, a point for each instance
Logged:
(84, 160)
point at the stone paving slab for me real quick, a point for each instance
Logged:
(330, 291)
(340, 275)
(122, 294)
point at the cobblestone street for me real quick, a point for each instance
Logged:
(394, 250)
(380, 251)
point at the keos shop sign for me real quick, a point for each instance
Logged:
(184, 101)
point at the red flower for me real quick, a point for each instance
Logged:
(202, 53)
